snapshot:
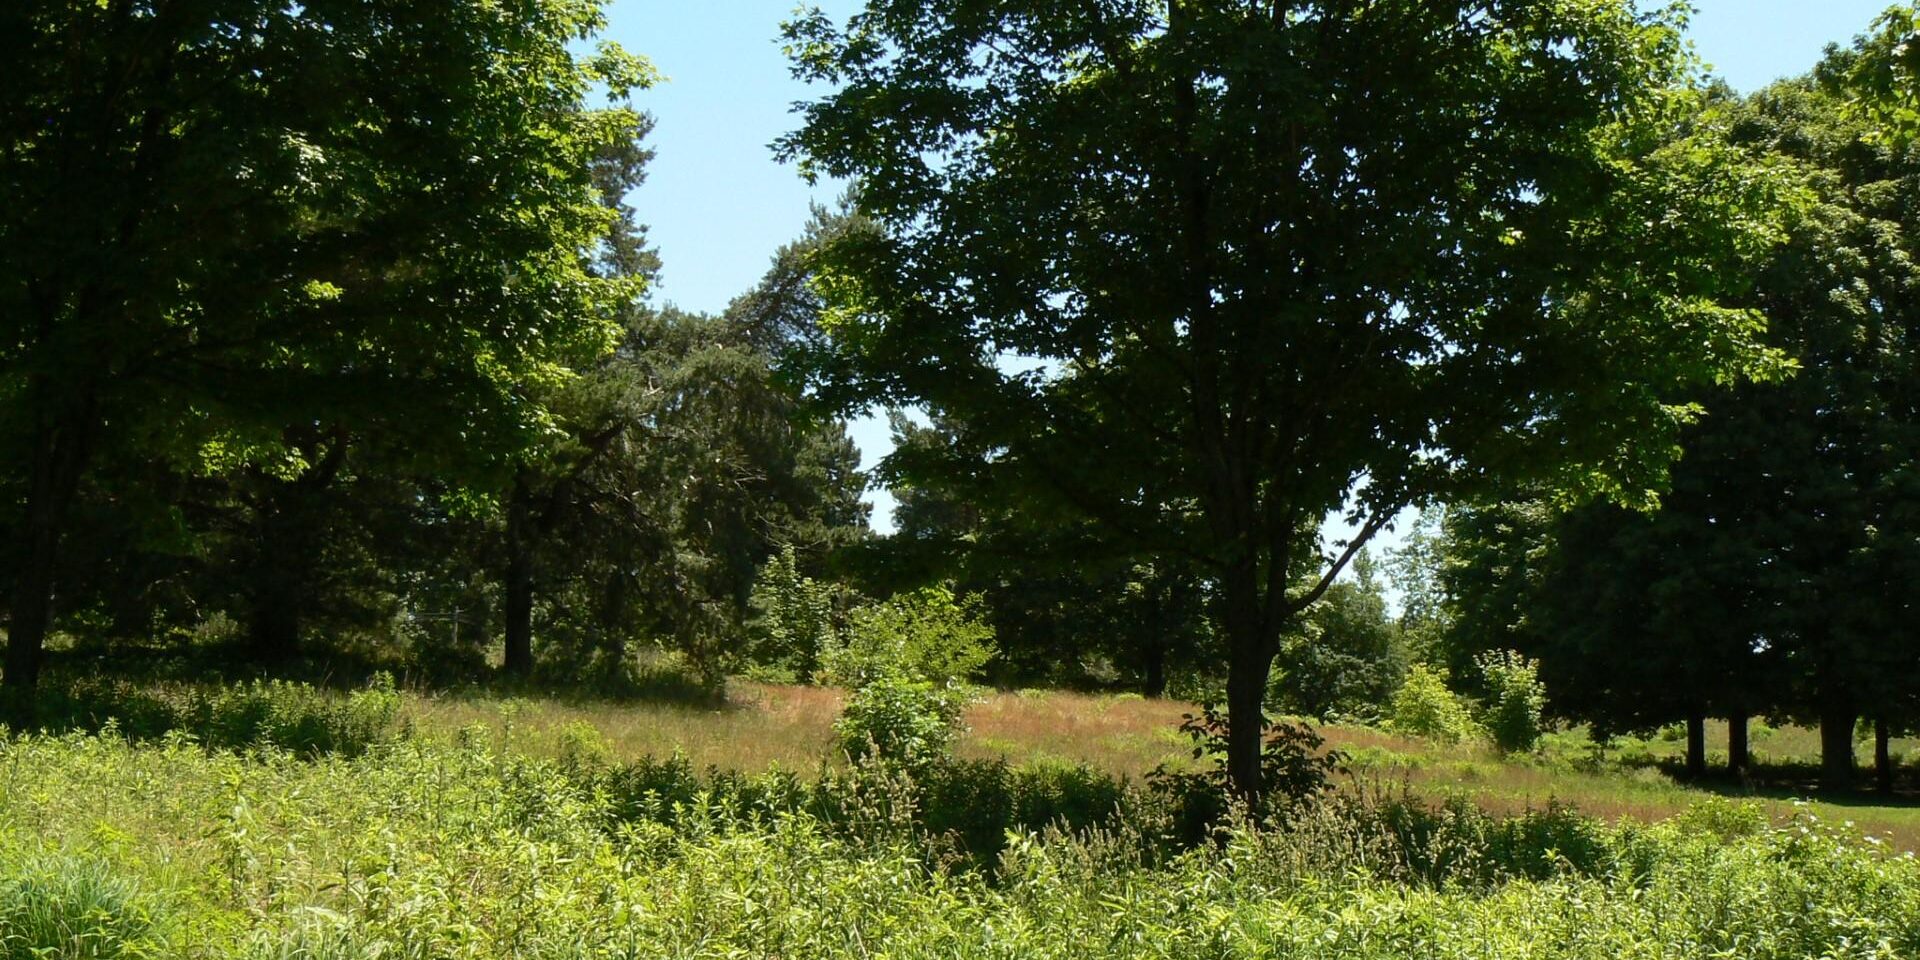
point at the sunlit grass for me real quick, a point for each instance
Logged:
(762, 725)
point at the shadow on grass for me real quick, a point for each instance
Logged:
(81, 686)
(1790, 780)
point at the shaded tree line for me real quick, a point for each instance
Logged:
(1776, 579)
(327, 321)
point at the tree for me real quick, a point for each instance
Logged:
(1346, 657)
(1774, 578)
(1882, 76)
(688, 465)
(1205, 272)
(229, 219)
(1072, 605)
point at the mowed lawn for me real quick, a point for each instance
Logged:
(791, 727)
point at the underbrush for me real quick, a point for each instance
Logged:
(290, 715)
(417, 848)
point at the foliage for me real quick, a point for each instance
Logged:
(795, 615)
(908, 661)
(1515, 700)
(78, 909)
(1426, 707)
(1497, 261)
(1771, 582)
(1293, 771)
(465, 854)
(901, 720)
(1346, 658)
(1882, 76)
(280, 714)
(926, 635)
(204, 263)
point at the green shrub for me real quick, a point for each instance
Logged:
(295, 716)
(75, 909)
(1293, 770)
(899, 719)
(794, 618)
(908, 662)
(926, 634)
(1425, 707)
(1723, 819)
(292, 716)
(1516, 700)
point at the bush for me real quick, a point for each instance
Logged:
(293, 716)
(1425, 707)
(795, 618)
(296, 716)
(1292, 771)
(1516, 700)
(908, 661)
(899, 719)
(927, 634)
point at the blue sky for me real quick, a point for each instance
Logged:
(718, 204)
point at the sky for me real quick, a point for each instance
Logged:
(718, 204)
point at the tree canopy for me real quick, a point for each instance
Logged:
(1206, 272)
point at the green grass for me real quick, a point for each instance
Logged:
(424, 848)
(756, 726)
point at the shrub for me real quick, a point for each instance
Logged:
(1292, 771)
(908, 661)
(795, 617)
(1723, 819)
(1425, 707)
(293, 716)
(296, 716)
(927, 634)
(896, 718)
(1515, 700)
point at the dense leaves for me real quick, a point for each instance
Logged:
(1203, 273)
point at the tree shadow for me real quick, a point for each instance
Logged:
(1799, 780)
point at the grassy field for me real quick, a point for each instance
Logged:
(273, 821)
(763, 725)
(461, 848)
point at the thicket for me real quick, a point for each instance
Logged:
(115, 849)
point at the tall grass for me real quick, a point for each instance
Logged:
(464, 851)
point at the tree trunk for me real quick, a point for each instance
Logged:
(1836, 747)
(519, 583)
(273, 625)
(1250, 650)
(31, 614)
(1739, 757)
(1697, 744)
(1882, 756)
(1155, 683)
(58, 456)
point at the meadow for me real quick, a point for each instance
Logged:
(412, 824)
(1125, 736)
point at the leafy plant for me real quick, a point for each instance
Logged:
(76, 909)
(1425, 707)
(796, 616)
(908, 661)
(927, 634)
(897, 718)
(1293, 770)
(1516, 700)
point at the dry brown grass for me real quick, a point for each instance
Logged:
(792, 726)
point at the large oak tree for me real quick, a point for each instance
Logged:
(1207, 271)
